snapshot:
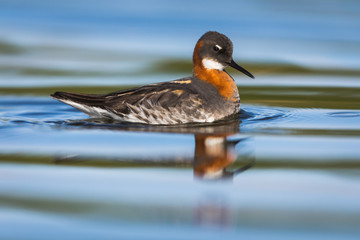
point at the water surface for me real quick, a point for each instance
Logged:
(287, 167)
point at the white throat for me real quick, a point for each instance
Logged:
(212, 64)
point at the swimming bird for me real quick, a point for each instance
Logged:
(209, 95)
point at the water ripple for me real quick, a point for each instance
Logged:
(345, 114)
(45, 113)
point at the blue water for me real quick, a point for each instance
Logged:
(287, 168)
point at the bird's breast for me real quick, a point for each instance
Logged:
(222, 81)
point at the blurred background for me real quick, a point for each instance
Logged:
(66, 42)
(63, 175)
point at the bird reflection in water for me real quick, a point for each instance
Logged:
(215, 159)
(214, 152)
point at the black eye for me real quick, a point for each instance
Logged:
(216, 48)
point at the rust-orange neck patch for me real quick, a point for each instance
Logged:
(219, 79)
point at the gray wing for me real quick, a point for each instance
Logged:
(163, 103)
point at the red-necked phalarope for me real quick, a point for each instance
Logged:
(210, 94)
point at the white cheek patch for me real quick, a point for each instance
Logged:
(212, 64)
(214, 146)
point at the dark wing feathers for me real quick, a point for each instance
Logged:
(165, 95)
(85, 99)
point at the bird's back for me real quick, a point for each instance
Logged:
(176, 102)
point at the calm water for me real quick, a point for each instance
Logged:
(288, 168)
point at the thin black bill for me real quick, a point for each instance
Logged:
(241, 69)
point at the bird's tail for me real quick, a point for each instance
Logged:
(92, 105)
(84, 99)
